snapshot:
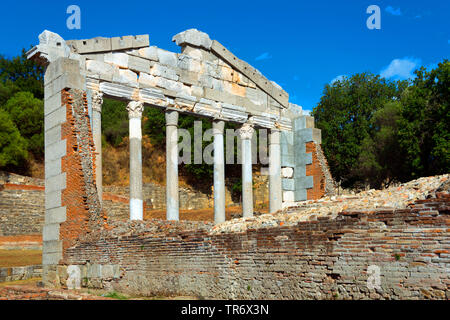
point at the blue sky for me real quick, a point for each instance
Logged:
(301, 45)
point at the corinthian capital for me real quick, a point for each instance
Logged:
(97, 101)
(135, 109)
(246, 131)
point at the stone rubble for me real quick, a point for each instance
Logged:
(396, 197)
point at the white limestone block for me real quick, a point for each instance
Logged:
(150, 53)
(256, 96)
(287, 172)
(118, 58)
(212, 69)
(167, 57)
(146, 80)
(193, 37)
(127, 77)
(159, 70)
(206, 81)
(99, 67)
(194, 53)
(288, 196)
(226, 73)
(74, 280)
(218, 84)
(197, 91)
(168, 84)
(188, 63)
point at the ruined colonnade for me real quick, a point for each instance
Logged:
(135, 109)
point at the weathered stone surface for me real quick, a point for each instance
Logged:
(126, 77)
(159, 70)
(99, 67)
(193, 37)
(167, 58)
(139, 64)
(129, 42)
(119, 59)
(150, 53)
(287, 172)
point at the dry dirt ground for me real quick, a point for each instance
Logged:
(20, 258)
(199, 215)
(31, 290)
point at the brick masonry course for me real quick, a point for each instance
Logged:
(323, 259)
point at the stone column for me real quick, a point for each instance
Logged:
(135, 109)
(275, 192)
(172, 200)
(96, 102)
(219, 172)
(246, 133)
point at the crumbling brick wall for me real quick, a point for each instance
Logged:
(323, 183)
(80, 197)
(325, 259)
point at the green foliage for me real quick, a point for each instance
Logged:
(424, 128)
(376, 131)
(7, 90)
(345, 113)
(25, 74)
(27, 113)
(381, 160)
(13, 147)
(155, 126)
(114, 121)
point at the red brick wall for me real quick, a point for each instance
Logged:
(326, 259)
(73, 197)
(315, 170)
(76, 198)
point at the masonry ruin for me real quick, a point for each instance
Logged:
(175, 257)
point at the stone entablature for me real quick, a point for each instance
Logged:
(204, 79)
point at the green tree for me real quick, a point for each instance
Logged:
(13, 147)
(7, 90)
(344, 114)
(382, 160)
(27, 113)
(424, 127)
(114, 121)
(24, 73)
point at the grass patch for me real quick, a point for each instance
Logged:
(115, 295)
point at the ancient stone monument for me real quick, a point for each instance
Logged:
(206, 80)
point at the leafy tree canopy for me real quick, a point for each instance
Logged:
(13, 147)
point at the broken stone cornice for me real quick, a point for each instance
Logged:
(51, 47)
